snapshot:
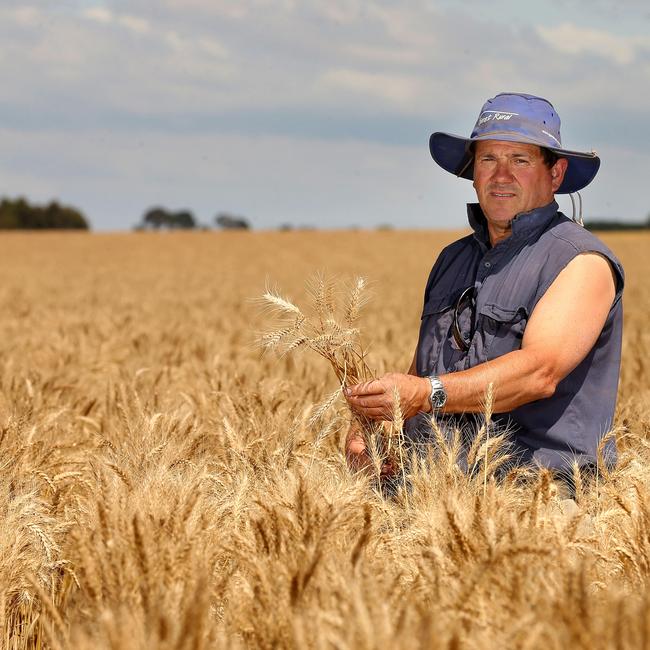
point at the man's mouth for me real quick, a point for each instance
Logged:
(502, 195)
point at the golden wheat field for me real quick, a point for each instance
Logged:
(163, 483)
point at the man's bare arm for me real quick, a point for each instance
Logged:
(562, 329)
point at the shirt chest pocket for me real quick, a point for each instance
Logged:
(501, 329)
(437, 318)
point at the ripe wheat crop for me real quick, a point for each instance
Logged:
(164, 484)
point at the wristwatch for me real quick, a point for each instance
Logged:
(438, 396)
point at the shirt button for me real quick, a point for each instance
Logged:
(488, 265)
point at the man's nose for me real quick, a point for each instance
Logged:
(502, 172)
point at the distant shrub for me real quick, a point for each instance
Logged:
(19, 214)
(229, 221)
(158, 217)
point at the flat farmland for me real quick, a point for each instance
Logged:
(162, 484)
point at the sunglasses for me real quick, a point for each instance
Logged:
(465, 300)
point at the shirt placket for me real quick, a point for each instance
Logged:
(488, 265)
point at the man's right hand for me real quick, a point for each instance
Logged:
(356, 452)
(358, 456)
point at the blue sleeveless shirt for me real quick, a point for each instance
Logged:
(509, 279)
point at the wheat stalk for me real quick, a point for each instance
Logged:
(329, 332)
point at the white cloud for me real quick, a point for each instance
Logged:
(396, 89)
(99, 14)
(212, 47)
(192, 46)
(340, 11)
(134, 23)
(27, 16)
(572, 39)
(105, 16)
(230, 10)
(409, 24)
(383, 55)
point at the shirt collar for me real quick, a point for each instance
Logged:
(527, 225)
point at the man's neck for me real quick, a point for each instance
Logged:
(491, 234)
(499, 233)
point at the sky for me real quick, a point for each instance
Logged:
(313, 113)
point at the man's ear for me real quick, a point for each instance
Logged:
(557, 173)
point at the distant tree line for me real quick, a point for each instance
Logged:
(160, 218)
(229, 221)
(613, 224)
(19, 214)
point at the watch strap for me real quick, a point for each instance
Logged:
(438, 396)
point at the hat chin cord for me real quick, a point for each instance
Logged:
(577, 220)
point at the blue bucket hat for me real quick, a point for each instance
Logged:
(515, 117)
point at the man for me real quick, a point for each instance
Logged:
(530, 302)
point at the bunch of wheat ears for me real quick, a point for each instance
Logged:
(331, 330)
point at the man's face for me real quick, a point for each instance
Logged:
(511, 178)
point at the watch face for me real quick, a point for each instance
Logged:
(438, 398)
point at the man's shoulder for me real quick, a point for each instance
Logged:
(464, 243)
(566, 232)
(453, 266)
(565, 239)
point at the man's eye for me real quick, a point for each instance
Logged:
(521, 161)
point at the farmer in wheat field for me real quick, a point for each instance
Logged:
(530, 302)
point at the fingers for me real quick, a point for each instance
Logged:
(375, 399)
(375, 407)
(364, 398)
(373, 387)
(381, 414)
(358, 457)
(368, 401)
(372, 399)
(375, 412)
(356, 453)
(355, 447)
(354, 439)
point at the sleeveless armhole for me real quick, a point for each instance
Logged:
(571, 252)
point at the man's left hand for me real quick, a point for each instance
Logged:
(374, 399)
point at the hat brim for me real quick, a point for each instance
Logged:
(452, 153)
